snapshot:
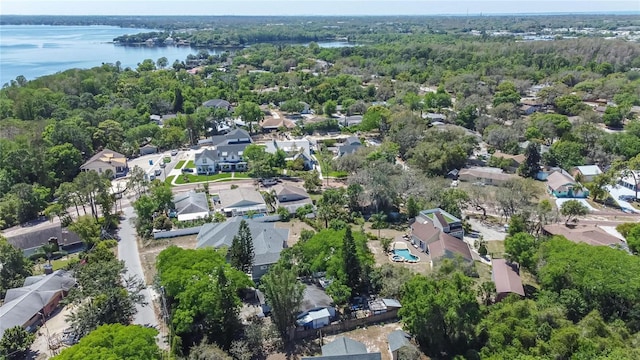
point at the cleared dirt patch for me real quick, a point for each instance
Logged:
(295, 227)
(150, 250)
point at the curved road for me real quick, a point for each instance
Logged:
(128, 252)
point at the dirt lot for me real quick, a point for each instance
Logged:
(150, 250)
(50, 333)
(295, 227)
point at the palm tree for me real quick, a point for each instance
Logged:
(378, 221)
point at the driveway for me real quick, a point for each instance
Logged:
(128, 252)
(617, 191)
(488, 233)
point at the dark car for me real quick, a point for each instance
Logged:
(187, 170)
(626, 197)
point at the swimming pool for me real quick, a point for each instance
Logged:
(406, 254)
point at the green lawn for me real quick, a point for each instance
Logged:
(495, 248)
(180, 164)
(169, 179)
(199, 178)
(190, 164)
(167, 159)
(338, 174)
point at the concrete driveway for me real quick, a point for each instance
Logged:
(617, 191)
(584, 202)
(128, 252)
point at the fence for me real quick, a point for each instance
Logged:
(347, 325)
(176, 233)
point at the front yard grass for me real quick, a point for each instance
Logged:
(180, 164)
(338, 174)
(190, 164)
(495, 248)
(192, 178)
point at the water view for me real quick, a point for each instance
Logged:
(37, 50)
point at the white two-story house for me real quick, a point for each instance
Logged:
(226, 154)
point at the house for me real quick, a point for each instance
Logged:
(294, 149)
(443, 221)
(350, 145)
(530, 105)
(343, 348)
(588, 234)
(107, 160)
(506, 277)
(448, 247)
(485, 175)
(274, 123)
(268, 241)
(515, 160)
(30, 239)
(588, 172)
(30, 304)
(240, 201)
(190, 206)
(217, 104)
(291, 197)
(226, 155)
(314, 319)
(148, 149)
(562, 185)
(381, 306)
(397, 339)
(422, 234)
(351, 120)
(631, 181)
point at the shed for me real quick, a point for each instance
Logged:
(397, 339)
(315, 319)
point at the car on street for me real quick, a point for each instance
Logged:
(157, 172)
(627, 198)
(152, 177)
(187, 170)
(174, 152)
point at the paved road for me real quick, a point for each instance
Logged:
(128, 251)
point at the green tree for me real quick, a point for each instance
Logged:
(115, 341)
(531, 166)
(204, 351)
(15, 343)
(572, 209)
(241, 252)
(284, 294)
(376, 117)
(613, 117)
(87, 228)
(522, 248)
(378, 221)
(330, 107)
(351, 262)
(312, 182)
(15, 267)
(250, 113)
(442, 314)
(63, 161)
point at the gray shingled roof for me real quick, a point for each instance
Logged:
(234, 136)
(397, 339)
(191, 203)
(21, 304)
(268, 241)
(26, 239)
(343, 346)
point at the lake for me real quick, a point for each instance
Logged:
(37, 50)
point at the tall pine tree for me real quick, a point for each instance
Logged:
(531, 166)
(352, 268)
(229, 322)
(241, 252)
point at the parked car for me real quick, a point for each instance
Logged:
(152, 177)
(163, 165)
(157, 172)
(187, 170)
(268, 182)
(174, 152)
(626, 197)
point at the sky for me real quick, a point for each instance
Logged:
(310, 7)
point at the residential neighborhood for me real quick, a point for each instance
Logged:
(438, 192)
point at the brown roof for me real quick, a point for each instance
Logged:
(557, 179)
(506, 277)
(108, 156)
(449, 243)
(589, 234)
(424, 231)
(486, 174)
(276, 123)
(520, 158)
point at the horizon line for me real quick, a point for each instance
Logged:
(480, 14)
